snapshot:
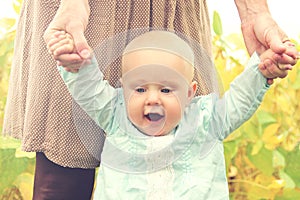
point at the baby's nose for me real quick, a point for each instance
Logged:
(153, 98)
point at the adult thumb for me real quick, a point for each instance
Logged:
(81, 45)
(276, 43)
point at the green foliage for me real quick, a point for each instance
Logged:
(16, 169)
(262, 156)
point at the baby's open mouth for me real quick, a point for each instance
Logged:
(154, 116)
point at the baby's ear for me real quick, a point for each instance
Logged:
(192, 90)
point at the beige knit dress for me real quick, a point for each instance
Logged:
(39, 107)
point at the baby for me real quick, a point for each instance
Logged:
(162, 141)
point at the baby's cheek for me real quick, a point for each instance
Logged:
(174, 115)
(134, 114)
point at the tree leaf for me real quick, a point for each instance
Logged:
(9, 143)
(270, 136)
(7, 23)
(263, 160)
(278, 160)
(256, 147)
(19, 153)
(293, 165)
(289, 194)
(24, 182)
(10, 167)
(289, 183)
(217, 24)
(265, 118)
(17, 6)
(296, 84)
(258, 189)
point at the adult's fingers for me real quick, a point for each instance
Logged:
(284, 61)
(80, 42)
(288, 58)
(275, 38)
(292, 50)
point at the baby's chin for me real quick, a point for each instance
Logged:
(154, 130)
(151, 131)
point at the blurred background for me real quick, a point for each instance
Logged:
(262, 156)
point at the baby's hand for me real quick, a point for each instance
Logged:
(60, 46)
(60, 43)
(270, 66)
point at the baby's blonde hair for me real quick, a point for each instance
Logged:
(164, 41)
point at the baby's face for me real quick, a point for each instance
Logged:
(157, 87)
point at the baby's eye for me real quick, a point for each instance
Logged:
(165, 90)
(140, 90)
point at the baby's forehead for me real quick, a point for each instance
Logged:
(154, 74)
(156, 64)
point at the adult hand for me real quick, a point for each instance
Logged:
(71, 17)
(269, 35)
(261, 32)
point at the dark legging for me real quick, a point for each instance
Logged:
(54, 182)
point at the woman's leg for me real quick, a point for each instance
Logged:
(54, 182)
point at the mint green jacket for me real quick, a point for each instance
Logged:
(186, 164)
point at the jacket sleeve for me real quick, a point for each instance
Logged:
(240, 102)
(91, 92)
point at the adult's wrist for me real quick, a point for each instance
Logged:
(83, 5)
(250, 9)
(70, 10)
